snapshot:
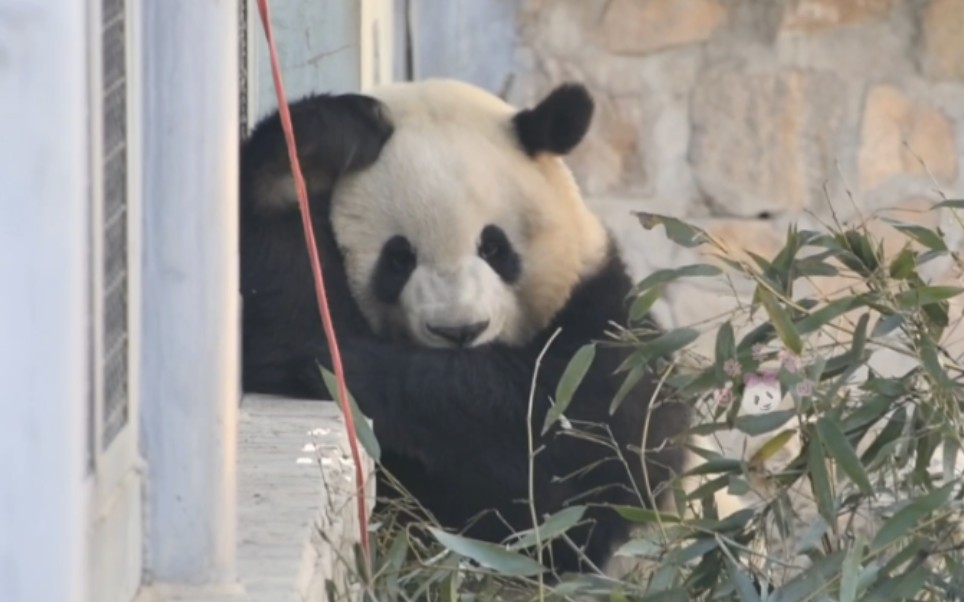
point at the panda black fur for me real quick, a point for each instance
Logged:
(455, 243)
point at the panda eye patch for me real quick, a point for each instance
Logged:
(398, 254)
(395, 264)
(496, 250)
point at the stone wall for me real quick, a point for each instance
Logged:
(743, 115)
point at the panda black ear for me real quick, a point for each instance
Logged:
(558, 123)
(335, 134)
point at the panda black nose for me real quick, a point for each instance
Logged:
(460, 335)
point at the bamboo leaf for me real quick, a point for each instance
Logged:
(811, 580)
(725, 343)
(925, 236)
(676, 230)
(781, 321)
(631, 380)
(489, 555)
(759, 424)
(925, 295)
(552, 527)
(820, 480)
(772, 446)
(363, 430)
(741, 582)
(904, 266)
(903, 521)
(839, 447)
(828, 312)
(643, 303)
(665, 275)
(850, 571)
(571, 378)
(670, 342)
(644, 515)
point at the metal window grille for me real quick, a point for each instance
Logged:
(112, 356)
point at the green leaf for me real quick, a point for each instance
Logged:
(925, 295)
(825, 314)
(904, 266)
(813, 266)
(725, 343)
(886, 325)
(716, 465)
(870, 411)
(759, 424)
(741, 582)
(761, 334)
(489, 555)
(781, 321)
(708, 488)
(820, 480)
(631, 380)
(904, 520)
(571, 378)
(839, 447)
(765, 267)
(643, 303)
(364, 432)
(937, 319)
(678, 231)
(886, 438)
(665, 594)
(669, 343)
(396, 554)
(955, 204)
(771, 447)
(932, 364)
(902, 587)
(925, 236)
(811, 581)
(699, 548)
(859, 342)
(850, 571)
(645, 515)
(662, 276)
(639, 548)
(552, 527)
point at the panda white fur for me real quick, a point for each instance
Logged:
(455, 243)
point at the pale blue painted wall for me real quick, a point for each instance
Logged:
(471, 40)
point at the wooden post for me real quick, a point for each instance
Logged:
(43, 300)
(190, 380)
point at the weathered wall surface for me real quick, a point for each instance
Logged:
(743, 115)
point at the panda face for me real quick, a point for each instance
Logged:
(459, 234)
(439, 262)
(465, 301)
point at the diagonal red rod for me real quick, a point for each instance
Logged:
(316, 272)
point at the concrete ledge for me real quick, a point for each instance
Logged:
(297, 518)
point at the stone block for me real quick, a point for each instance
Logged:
(613, 156)
(817, 15)
(916, 211)
(765, 142)
(740, 236)
(943, 48)
(644, 26)
(555, 28)
(897, 133)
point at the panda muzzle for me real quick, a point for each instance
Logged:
(461, 335)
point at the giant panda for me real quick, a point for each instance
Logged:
(455, 245)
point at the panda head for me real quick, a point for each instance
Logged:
(468, 228)
(458, 222)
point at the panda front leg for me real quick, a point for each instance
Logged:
(458, 419)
